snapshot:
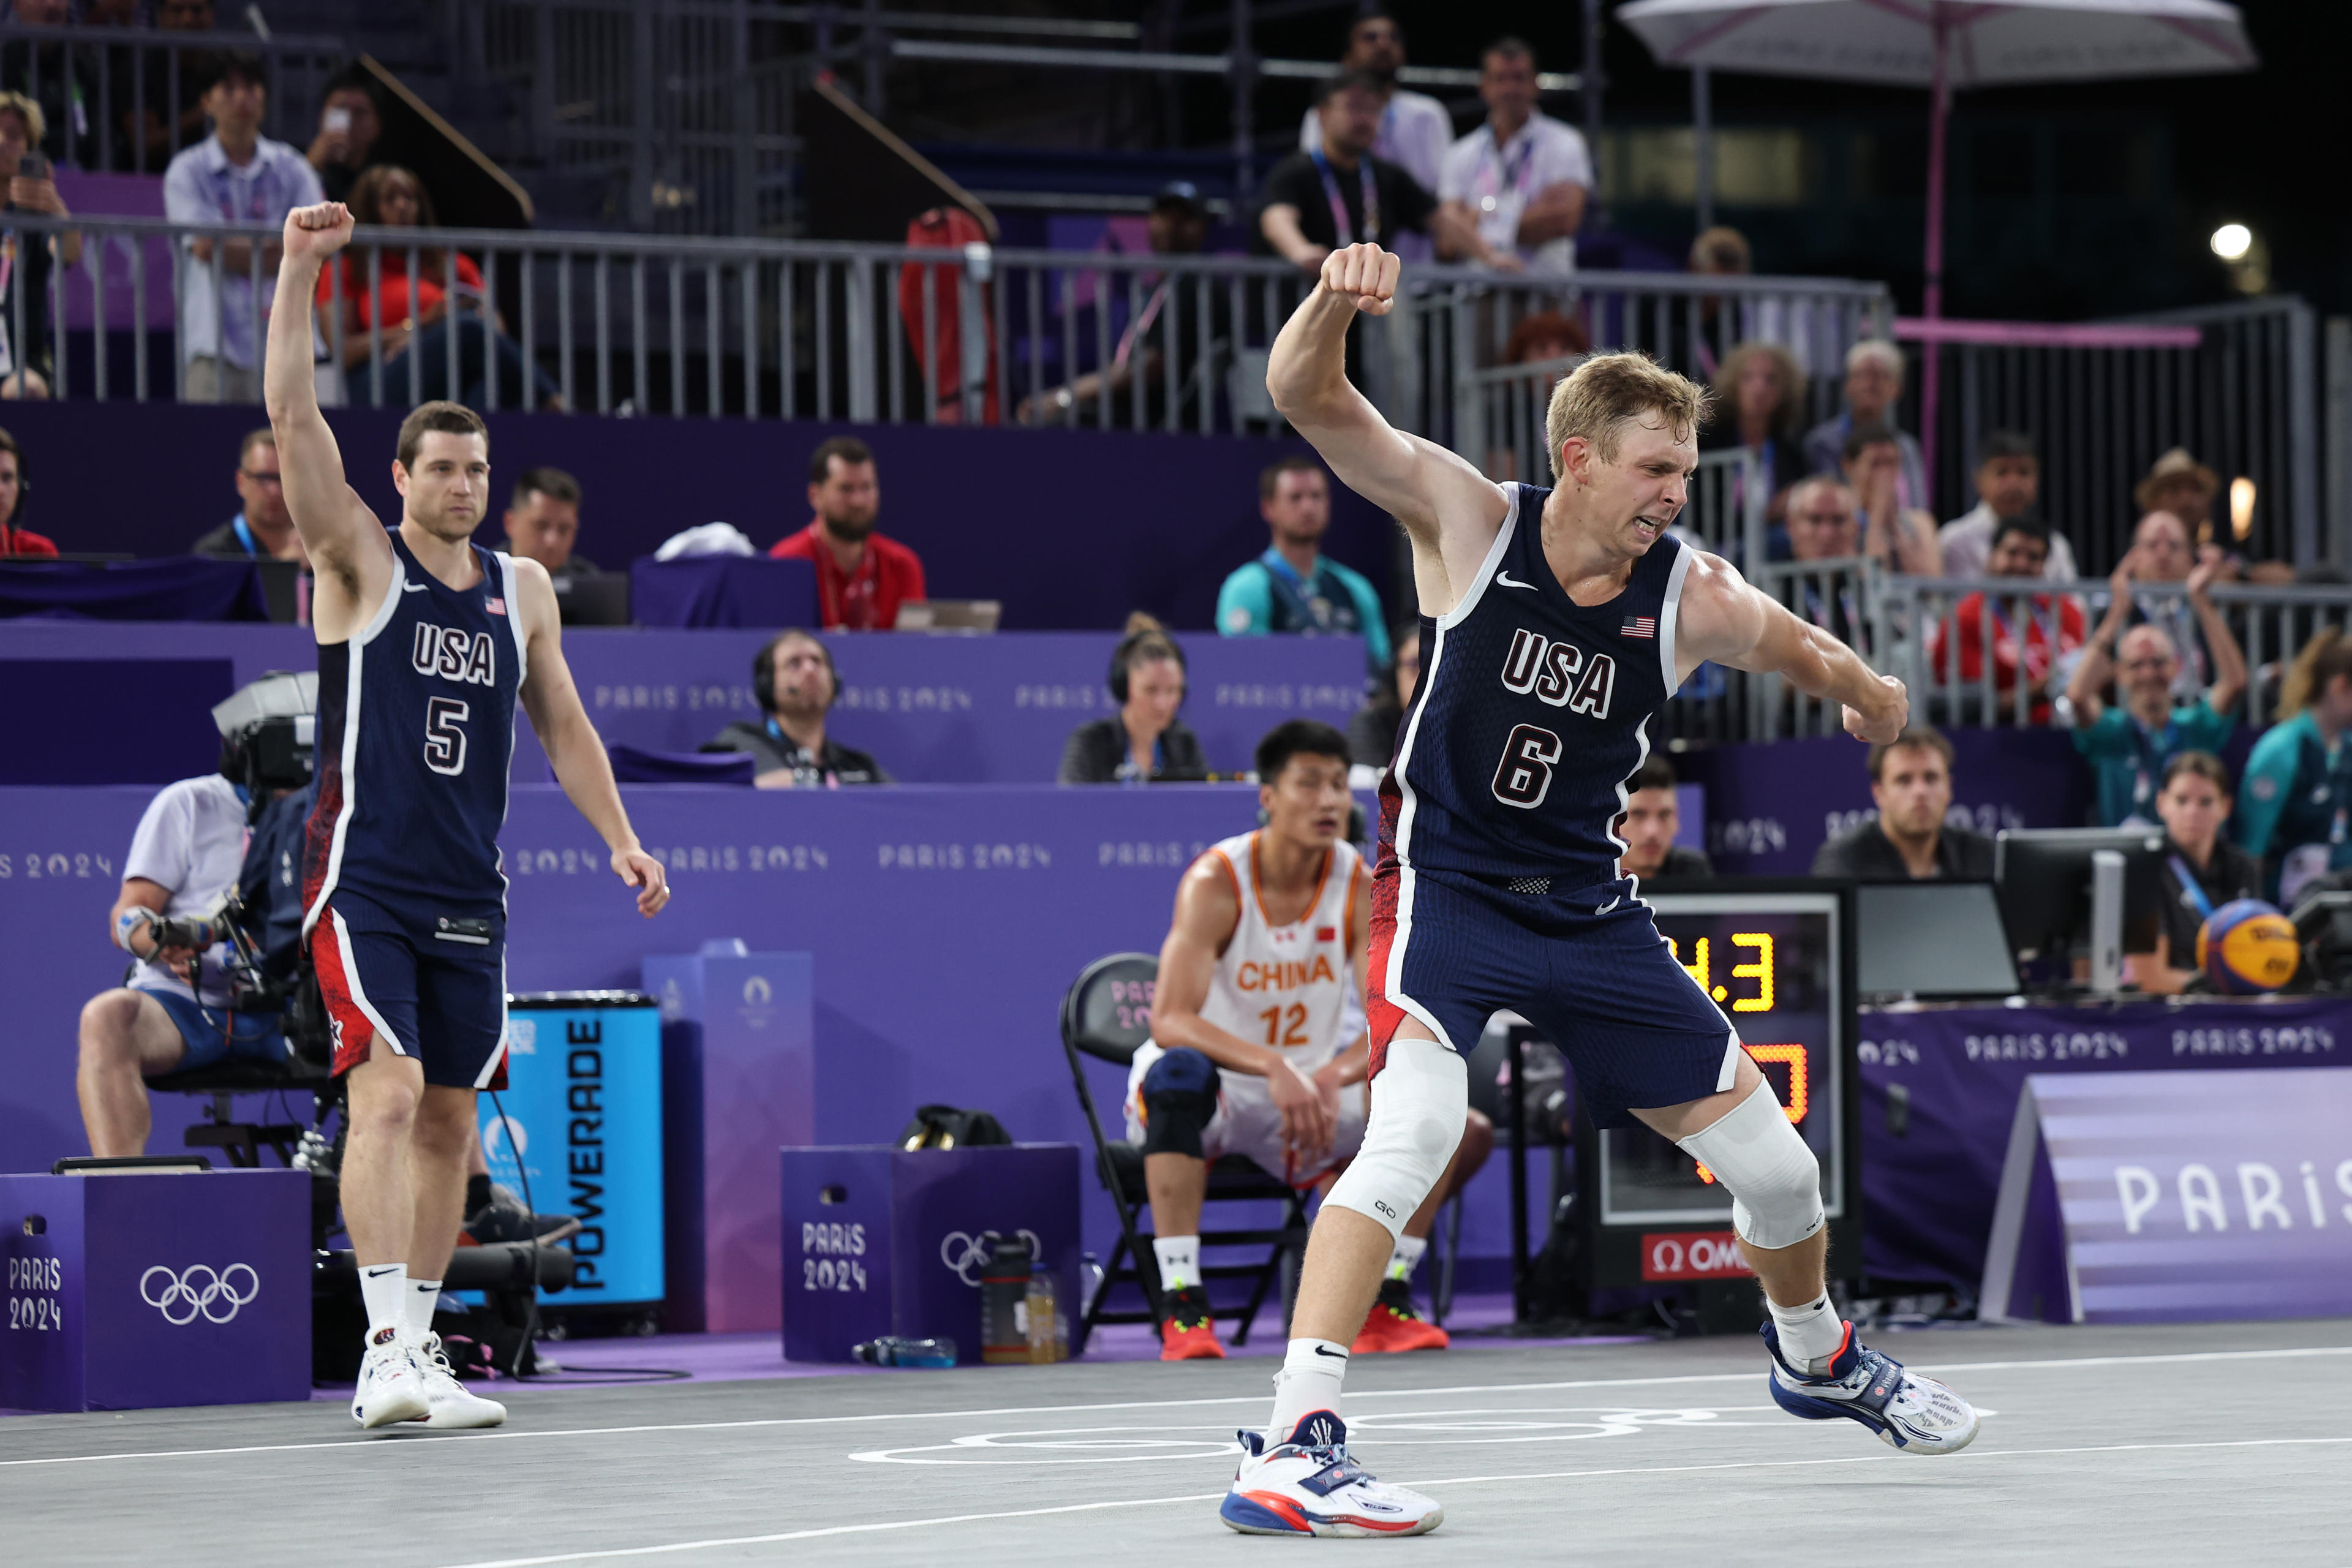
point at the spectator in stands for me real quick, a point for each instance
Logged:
(1760, 405)
(61, 77)
(2201, 870)
(2161, 553)
(349, 121)
(861, 576)
(1653, 816)
(1822, 527)
(2179, 484)
(173, 1011)
(1519, 181)
(1874, 385)
(2297, 795)
(2008, 477)
(1897, 535)
(2053, 622)
(15, 541)
(263, 530)
(1415, 129)
(1911, 785)
(1144, 741)
(1178, 225)
(26, 373)
(1294, 586)
(1720, 252)
(1545, 335)
(795, 684)
(152, 132)
(418, 317)
(543, 522)
(1372, 732)
(2131, 744)
(236, 177)
(1342, 193)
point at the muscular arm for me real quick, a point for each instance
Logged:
(2229, 658)
(347, 545)
(571, 741)
(1722, 617)
(1557, 212)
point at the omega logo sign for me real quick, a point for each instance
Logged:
(1692, 1255)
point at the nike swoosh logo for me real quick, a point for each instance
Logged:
(413, 588)
(1335, 1355)
(1507, 580)
(1609, 905)
(380, 1273)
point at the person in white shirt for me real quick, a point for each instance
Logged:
(235, 176)
(1522, 177)
(2009, 478)
(1415, 128)
(172, 1011)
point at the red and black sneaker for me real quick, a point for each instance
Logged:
(1394, 1324)
(1187, 1332)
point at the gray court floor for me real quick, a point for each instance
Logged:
(2224, 1444)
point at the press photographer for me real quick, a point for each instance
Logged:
(207, 890)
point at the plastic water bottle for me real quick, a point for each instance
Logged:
(891, 1350)
(1004, 1301)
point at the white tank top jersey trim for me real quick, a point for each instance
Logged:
(1285, 985)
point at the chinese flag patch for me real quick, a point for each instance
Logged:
(1327, 933)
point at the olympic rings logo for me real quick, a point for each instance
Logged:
(964, 1253)
(199, 1290)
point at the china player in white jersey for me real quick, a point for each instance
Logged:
(1555, 625)
(1257, 1048)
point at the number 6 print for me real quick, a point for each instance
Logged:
(1524, 776)
(445, 741)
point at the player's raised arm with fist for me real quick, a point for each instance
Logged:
(1450, 508)
(346, 542)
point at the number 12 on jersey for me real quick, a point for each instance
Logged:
(445, 739)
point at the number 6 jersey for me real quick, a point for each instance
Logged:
(415, 733)
(1533, 711)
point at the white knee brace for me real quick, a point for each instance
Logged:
(1419, 1103)
(1773, 1179)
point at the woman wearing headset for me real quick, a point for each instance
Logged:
(1144, 741)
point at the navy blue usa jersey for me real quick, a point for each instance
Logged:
(1533, 711)
(415, 733)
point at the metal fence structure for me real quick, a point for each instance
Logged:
(123, 101)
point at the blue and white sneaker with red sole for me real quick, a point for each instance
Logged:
(1308, 1485)
(1915, 1414)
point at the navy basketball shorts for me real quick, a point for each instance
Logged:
(428, 986)
(1586, 966)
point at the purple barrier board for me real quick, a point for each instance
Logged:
(2146, 1197)
(931, 709)
(882, 1241)
(1940, 1087)
(129, 1292)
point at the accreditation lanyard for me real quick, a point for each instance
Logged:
(1307, 597)
(813, 770)
(1340, 226)
(1498, 170)
(2149, 750)
(2191, 889)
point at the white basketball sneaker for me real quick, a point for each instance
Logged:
(1308, 1485)
(454, 1404)
(1915, 1414)
(391, 1388)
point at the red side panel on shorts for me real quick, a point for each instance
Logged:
(354, 1035)
(1380, 1015)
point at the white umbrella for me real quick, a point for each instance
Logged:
(1943, 45)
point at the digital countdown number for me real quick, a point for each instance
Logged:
(1759, 969)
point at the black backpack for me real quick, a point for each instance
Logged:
(951, 1127)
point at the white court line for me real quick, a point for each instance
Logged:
(356, 1443)
(607, 1553)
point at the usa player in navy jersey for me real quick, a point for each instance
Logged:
(427, 641)
(1554, 624)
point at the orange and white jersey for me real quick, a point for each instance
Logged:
(1287, 987)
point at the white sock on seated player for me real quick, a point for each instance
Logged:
(1407, 1256)
(1180, 1261)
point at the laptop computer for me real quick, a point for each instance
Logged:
(593, 598)
(951, 615)
(1931, 939)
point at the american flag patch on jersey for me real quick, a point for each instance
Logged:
(498, 606)
(1640, 626)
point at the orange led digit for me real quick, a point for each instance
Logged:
(1794, 1056)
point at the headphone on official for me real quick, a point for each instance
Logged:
(1142, 647)
(764, 670)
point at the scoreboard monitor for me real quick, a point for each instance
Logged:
(1778, 958)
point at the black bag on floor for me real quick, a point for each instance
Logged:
(951, 1127)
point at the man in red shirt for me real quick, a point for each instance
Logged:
(2052, 624)
(15, 541)
(862, 577)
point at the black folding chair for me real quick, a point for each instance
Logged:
(242, 1141)
(1107, 1014)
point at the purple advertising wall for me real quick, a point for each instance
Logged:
(1069, 529)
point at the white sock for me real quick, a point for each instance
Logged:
(1180, 1261)
(1407, 1256)
(383, 1286)
(1809, 1335)
(422, 1295)
(1310, 1382)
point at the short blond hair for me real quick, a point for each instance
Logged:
(37, 124)
(1608, 390)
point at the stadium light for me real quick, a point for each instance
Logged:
(2231, 241)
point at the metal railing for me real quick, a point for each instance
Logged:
(124, 101)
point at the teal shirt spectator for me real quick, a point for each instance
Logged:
(2129, 759)
(2297, 794)
(1270, 596)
